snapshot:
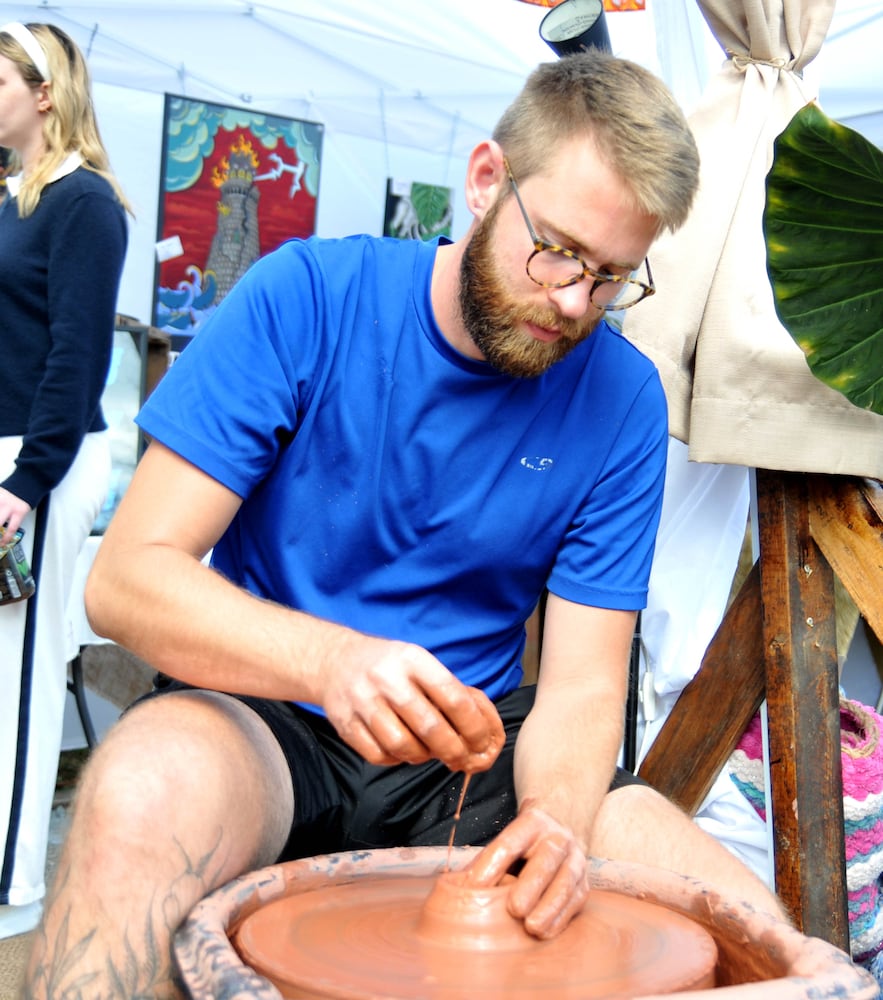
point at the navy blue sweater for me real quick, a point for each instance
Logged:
(59, 278)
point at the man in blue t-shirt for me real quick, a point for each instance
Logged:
(392, 449)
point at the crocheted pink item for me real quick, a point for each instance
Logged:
(862, 764)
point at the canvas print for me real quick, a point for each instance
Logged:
(235, 184)
(416, 211)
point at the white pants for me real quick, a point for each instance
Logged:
(34, 652)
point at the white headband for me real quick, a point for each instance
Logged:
(32, 47)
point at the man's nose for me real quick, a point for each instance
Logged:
(573, 301)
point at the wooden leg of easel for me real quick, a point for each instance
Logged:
(803, 704)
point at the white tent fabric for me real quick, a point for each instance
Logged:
(410, 71)
(425, 74)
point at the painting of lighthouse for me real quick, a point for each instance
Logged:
(235, 183)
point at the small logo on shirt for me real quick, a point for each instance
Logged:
(536, 463)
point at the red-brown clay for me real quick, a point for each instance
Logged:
(443, 938)
(459, 915)
(370, 905)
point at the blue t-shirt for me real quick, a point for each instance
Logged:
(394, 485)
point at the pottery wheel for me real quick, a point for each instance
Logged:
(364, 940)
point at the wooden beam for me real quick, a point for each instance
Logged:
(846, 520)
(714, 709)
(806, 786)
(872, 489)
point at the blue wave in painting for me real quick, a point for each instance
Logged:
(188, 304)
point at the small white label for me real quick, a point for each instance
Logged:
(168, 248)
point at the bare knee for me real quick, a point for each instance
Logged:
(632, 811)
(186, 792)
(636, 823)
(187, 769)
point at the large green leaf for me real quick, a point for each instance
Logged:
(823, 224)
(432, 203)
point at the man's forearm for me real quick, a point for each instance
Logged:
(565, 759)
(186, 620)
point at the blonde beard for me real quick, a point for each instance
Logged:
(527, 357)
(496, 323)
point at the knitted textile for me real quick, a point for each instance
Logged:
(862, 761)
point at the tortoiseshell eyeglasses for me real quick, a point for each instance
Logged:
(554, 266)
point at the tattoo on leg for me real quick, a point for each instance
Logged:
(144, 971)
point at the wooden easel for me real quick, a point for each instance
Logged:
(778, 641)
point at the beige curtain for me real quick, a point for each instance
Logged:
(739, 389)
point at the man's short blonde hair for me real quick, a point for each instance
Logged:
(629, 114)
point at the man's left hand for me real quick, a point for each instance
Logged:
(552, 886)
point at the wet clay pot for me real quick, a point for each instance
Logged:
(443, 937)
(304, 920)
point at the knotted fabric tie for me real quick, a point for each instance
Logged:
(742, 61)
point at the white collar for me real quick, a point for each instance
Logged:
(67, 166)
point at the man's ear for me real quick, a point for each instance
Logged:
(485, 177)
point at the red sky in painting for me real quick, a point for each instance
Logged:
(192, 214)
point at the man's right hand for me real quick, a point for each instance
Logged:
(394, 702)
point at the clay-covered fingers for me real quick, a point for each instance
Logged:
(449, 722)
(385, 742)
(398, 703)
(472, 716)
(511, 845)
(552, 884)
(551, 887)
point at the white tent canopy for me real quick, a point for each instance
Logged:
(418, 74)
(404, 88)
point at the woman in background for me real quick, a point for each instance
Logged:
(63, 238)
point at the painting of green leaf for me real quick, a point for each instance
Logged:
(823, 225)
(416, 211)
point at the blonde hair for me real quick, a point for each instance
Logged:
(631, 116)
(70, 125)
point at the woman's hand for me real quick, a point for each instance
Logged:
(13, 510)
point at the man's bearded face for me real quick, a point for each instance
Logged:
(496, 322)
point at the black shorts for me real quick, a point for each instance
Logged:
(342, 803)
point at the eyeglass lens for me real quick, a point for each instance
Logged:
(551, 267)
